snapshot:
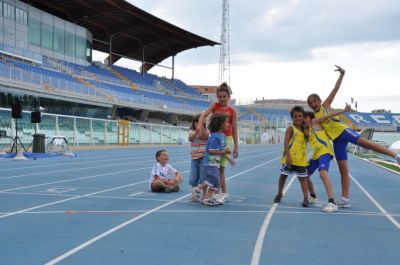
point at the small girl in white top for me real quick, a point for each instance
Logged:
(164, 178)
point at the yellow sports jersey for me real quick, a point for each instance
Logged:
(332, 126)
(297, 149)
(320, 143)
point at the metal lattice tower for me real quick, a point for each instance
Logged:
(224, 74)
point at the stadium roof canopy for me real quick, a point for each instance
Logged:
(132, 32)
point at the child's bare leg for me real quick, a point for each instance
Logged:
(375, 147)
(311, 187)
(157, 186)
(304, 186)
(209, 192)
(327, 183)
(281, 184)
(222, 179)
(345, 178)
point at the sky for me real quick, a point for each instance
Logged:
(288, 49)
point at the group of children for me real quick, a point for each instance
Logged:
(319, 128)
(211, 150)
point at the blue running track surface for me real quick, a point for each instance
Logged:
(97, 209)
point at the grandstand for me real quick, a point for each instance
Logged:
(46, 60)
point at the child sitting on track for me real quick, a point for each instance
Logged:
(164, 178)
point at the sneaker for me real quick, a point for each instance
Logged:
(277, 199)
(397, 158)
(305, 203)
(175, 189)
(330, 208)
(219, 198)
(196, 194)
(312, 200)
(343, 203)
(209, 202)
(168, 188)
(225, 197)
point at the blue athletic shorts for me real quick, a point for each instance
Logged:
(340, 143)
(322, 163)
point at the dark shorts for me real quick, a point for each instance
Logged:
(294, 170)
(322, 163)
(340, 143)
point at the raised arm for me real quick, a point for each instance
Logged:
(328, 101)
(332, 114)
(203, 117)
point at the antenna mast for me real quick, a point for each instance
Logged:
(224, 74)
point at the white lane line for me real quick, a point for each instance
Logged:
(381, 209)
(112, 230)
(356, 213)
(52, 164)
(93, 240)
(76, 169)
(97, 166)
(69, 199)
(255, 259)
(88, 177)
(136, 193)
(376, 164)
(69, 180)
(88, 195)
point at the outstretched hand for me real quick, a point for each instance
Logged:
(340, 69)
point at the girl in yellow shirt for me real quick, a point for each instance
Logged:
(341, 135)
(294, 158)
(322, 153)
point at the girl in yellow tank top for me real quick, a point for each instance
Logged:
(297, 148)
(341, 135)
(294, 159)
(322, 154)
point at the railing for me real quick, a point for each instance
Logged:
(81, 131)
(48, 83)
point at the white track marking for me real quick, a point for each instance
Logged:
(376, 164)
(95, 239)
(106, 165)
(136, 193)
(351, 213)
(70, 199)
(69, 180)
(255, 259)
(381, 209)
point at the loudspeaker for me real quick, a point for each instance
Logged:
(35, 117)
(16, 110)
